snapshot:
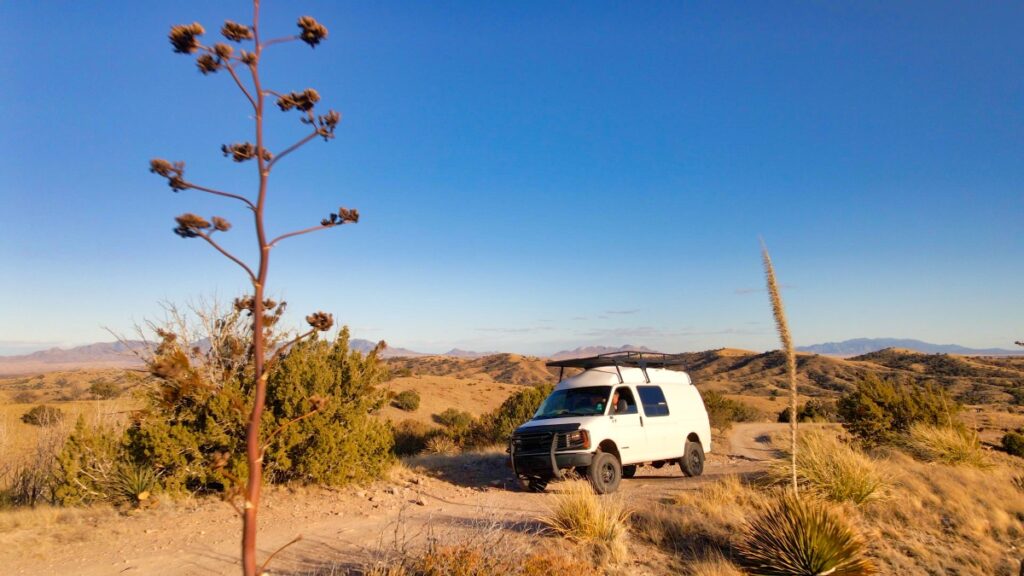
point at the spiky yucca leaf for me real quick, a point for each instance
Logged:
(135, 484)
(794, 537)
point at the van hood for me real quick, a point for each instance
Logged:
(557, 424)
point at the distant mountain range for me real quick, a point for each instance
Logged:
(123, 354)
(859, 346)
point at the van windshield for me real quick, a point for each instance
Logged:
(589, 401)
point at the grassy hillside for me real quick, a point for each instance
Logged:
(504, 368)
(971, 379)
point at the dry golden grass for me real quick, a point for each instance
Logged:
(937, 519)
(599, 522)
(946, 445)
(713, 564)
(832, 469)
(950, 519)
(476, 395)
(706, 519)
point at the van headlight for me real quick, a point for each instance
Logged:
(577, 439)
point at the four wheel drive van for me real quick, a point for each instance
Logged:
(626, 409)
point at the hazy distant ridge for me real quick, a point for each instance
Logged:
(858, 346)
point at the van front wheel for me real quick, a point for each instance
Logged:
(692, 462)
(604, 473)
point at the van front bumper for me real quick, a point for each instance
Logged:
(548, 466)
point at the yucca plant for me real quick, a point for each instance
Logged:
(794, 537)
(442, 445)
(134, 484)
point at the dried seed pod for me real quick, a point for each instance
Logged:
(312, 31)
(184, 37)
(236, 32)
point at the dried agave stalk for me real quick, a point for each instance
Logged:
(787, 348)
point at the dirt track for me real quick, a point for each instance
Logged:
(453, 502)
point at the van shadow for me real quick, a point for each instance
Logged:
(484, 469)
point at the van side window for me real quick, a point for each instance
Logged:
(653, 400)
(623, 402)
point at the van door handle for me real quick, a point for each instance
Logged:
(641, 421)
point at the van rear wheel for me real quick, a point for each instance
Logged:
(604, 473)
(692, 462)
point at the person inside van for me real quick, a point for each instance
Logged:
(618, 404)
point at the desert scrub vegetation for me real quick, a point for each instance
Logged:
(43, 415)
(795, 536)
(408, 400)
(460, 430)
(882, 411)
(833, 470)
(601, 523)
(813, 410)
(317, 420)
(411, 436)
(1013, 442)
(496, 427)
(723, 412)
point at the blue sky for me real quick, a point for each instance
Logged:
(533, 176)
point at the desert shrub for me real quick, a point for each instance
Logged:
(43, 415)
(411, 436)
(87, 464)
(723, 412)
(408, 400)
(456, 421)
(104, 389)
(1013, 442)
(812, 411)
(832, 469)
(441, 444)
(945, 444)
(24, 397)
(30, 481)
(880, 411)
(600, 522)
(798, 537)
(317, 426)
(496, 427)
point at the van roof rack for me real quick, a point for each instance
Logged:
(641, 360)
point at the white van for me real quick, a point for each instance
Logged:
(626, 409)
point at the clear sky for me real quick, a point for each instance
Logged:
(533, 175)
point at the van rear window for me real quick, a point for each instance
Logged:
(653, 400)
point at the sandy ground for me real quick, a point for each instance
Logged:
(448, 499)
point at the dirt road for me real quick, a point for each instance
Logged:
(450, 499)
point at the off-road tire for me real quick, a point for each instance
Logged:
(604, 473)
(692, 462)
(629, 471)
